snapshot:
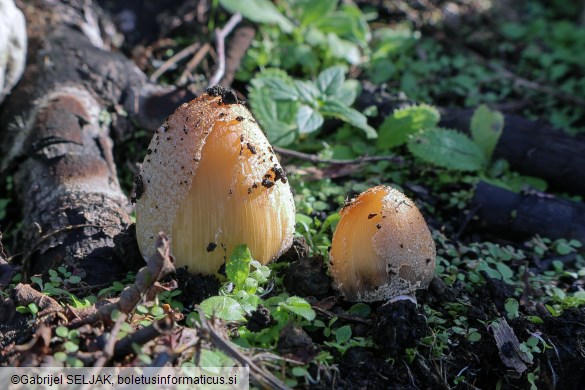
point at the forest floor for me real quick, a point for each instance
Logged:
(506, 308)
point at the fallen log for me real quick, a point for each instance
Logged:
(56, 141)
(522, 216)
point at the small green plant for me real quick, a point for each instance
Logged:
(31, 308)
(69, 340)
(343, 339)
(239, 297)
(60, 281)
(289, 108)
(417, 128)
(302, 35)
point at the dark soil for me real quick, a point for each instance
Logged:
(195, 288)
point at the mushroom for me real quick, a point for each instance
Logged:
(382, 248)
(211, 181)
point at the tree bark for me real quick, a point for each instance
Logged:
(56, 141)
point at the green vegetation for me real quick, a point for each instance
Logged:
(303, 74)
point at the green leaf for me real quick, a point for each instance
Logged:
(308, 120)
(348, 92)
(280, 89)
(474, 337)
(337, 109)
(60, 356)
(311, 10)
(299, 307)
(307, 91)
(33, 308)
(277, 118)
(223, 307)
(343, 334)
(348, 23)
(62, 331)
(448, 149)
(74, 279)
(71, 347)
(360, 310)
(511, 305)
(260, 11)
(486, 129)
(343, 49)
(404, 122)
(330, 81)
(237, 267)
(209, 358)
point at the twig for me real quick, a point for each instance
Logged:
(466, 221)
(236, 50)
(220, 36)
(263, 377)
(318, 160)
(173, 60)
(193, 62)
(347, 317)
(142, 336)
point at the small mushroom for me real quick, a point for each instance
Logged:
(211, 181)
(382, 248)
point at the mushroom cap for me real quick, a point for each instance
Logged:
(211, 181)
(381, 248)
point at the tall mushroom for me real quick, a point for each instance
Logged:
(211, 181)
(382, 247)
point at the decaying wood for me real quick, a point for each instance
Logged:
(527, 214)
(57, 144)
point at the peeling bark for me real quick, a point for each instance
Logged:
(56, 141)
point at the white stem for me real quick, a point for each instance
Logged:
(410, 298)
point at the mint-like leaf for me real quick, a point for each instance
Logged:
(308, 120)
(277, 118)
(403, 122)
(348, 92)
(307, 92)
(299, 307)
(311, 10)
(448, 149)
(335, 108)
(260, 11)
(330, 81)
(223, 307)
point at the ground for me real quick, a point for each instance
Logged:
(354, 95)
